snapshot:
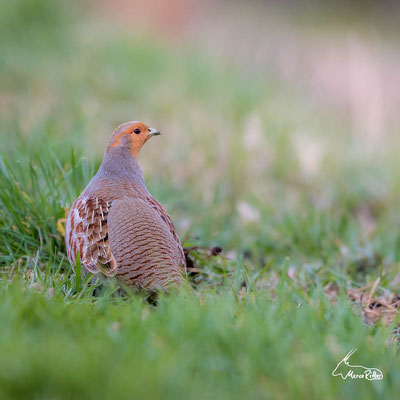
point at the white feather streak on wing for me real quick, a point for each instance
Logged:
(87, 232)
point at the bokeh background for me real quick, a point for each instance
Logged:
(264, 105)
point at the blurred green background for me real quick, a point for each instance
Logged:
(280, 144)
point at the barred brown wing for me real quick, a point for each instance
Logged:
(87, 231)
(144, 248)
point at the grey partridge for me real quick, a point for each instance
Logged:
(117, 227)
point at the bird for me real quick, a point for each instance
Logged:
(116, 226)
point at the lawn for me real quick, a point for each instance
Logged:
(306, 212)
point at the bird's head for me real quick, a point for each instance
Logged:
(131, 135)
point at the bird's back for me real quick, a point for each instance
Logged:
(146, 252)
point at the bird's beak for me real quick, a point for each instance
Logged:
(153, 132)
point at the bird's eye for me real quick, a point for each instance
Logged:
(137, 131)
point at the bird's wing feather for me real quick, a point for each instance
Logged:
(87, 231)
(167, 219)
(143, 245)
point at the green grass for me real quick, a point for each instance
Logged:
(189, 346)
(232, 169)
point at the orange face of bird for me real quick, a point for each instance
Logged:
(134, 134)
